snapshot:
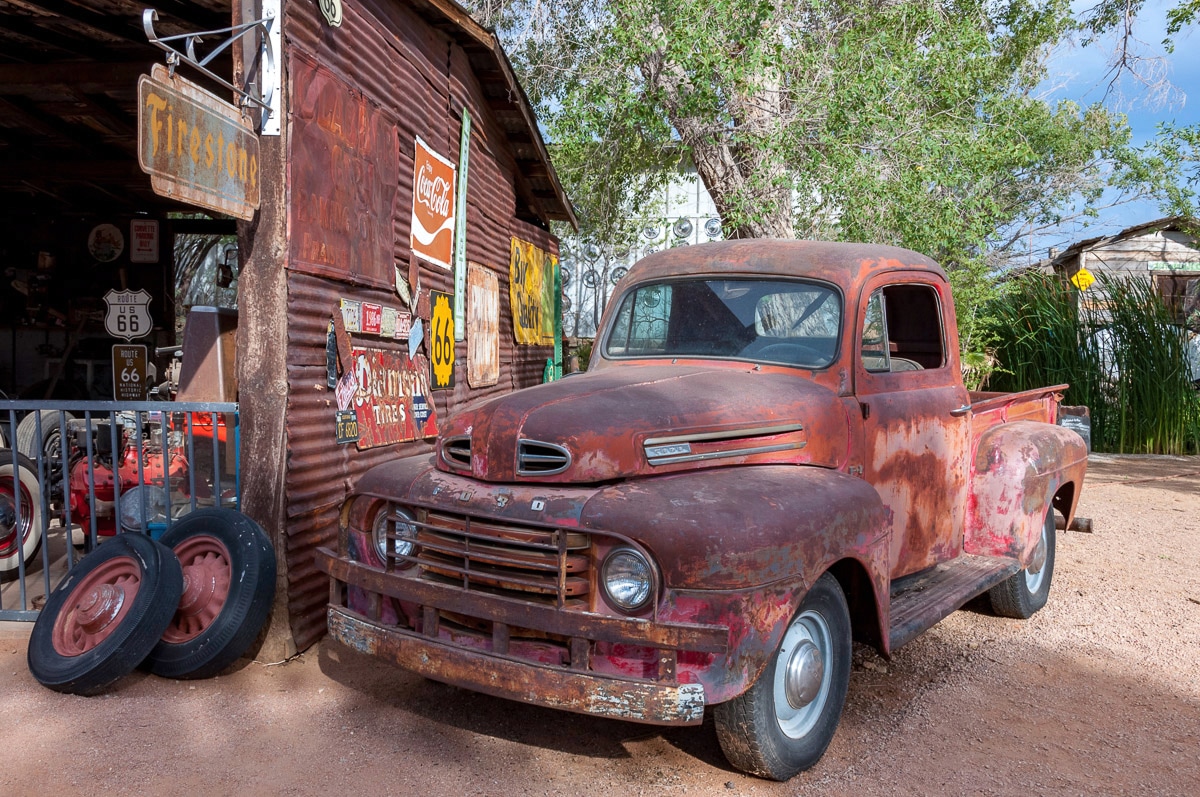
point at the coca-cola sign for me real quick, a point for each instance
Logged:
(433, 206)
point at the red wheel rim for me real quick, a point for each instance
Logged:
(96, 607)
(207, 573)
(8, 518)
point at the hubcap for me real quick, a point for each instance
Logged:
(96, 607)
(805, 671)
(10, 540)
(100, 607)
(802, 674)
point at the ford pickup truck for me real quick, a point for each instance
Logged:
(771, 453)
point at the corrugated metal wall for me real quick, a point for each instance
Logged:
(419, 80)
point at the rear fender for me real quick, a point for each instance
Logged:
(1020, 468)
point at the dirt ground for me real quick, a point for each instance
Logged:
(1099, 693)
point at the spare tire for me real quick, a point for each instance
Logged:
(50, 441)
(105, 616)
(229, 584)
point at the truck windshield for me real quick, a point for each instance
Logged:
(772, 321)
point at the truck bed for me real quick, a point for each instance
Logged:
(991, 408)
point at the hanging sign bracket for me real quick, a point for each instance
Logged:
(263, 66)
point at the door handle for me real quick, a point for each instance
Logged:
(958, 412)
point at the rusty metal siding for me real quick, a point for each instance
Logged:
(319, 471)
(418, 79)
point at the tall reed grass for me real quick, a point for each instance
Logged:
(1119, 349)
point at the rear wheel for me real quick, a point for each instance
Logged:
(20, 515)
(782, 725)
(1023, 593)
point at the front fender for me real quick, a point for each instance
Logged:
(1019, 468)
(740, 547)
(744, 527)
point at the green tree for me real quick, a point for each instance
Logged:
(909, 122)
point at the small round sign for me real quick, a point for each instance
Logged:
(106, 243)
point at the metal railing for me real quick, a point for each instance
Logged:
(73, 474)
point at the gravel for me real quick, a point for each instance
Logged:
(1097, 693)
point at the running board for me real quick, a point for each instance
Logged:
(922, 600)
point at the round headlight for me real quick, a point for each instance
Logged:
(628, 579)
(404, 535)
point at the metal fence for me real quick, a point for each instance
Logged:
(73, 474)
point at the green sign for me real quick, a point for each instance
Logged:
(460, 232)
(1161, 265)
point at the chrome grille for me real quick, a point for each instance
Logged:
(456, 452)
(535, 458)
(550, 566)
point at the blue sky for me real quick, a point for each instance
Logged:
(1080, 73)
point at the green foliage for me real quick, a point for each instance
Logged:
(912, 123)
(1118, 349)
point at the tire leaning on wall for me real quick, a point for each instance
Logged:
(229, 585)
(103, 619)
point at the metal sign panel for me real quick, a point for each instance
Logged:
(195, 147)
(460, 231)
(127, 314)
(483, 319)
(391, 401)
(143, 241)
(441, 340)
(129, 372)
(531, 293)
(343, 174)
(433, 207)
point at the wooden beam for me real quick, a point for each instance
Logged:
(60, 40)
(71, 171)
(89, 78)
(127, 29)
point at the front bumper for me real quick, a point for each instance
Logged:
(495, 669)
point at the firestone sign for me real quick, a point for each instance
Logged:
(195, 146)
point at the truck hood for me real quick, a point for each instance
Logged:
(646, 420)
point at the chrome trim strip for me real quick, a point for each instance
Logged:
(759, 431)
(735, 452)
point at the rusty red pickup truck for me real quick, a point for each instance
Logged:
(771, 453)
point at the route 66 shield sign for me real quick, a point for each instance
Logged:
(128, 314)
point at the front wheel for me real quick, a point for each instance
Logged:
(782, 725)
(1023, 593)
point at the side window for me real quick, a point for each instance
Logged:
(641, 325)
(902, 330)
(914, 326)
(874, 335)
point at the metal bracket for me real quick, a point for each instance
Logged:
(264, 65)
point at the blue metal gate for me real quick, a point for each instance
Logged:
(73, 474)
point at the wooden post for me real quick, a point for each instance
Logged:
(261, 366)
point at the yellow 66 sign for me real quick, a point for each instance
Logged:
(441, 340)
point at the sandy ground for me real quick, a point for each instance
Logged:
(1099, 693)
